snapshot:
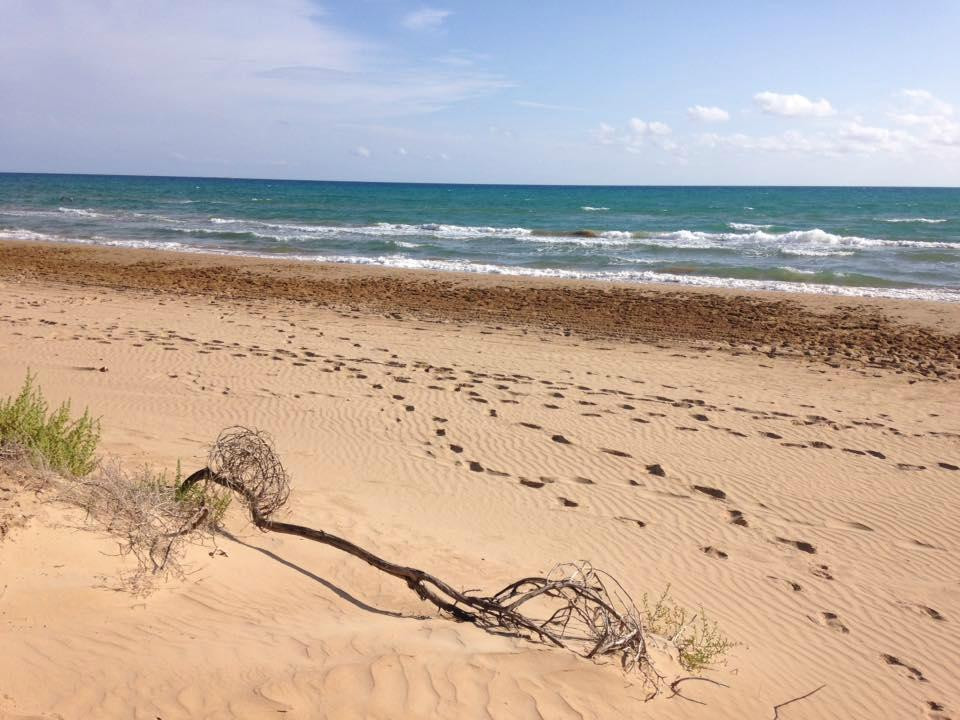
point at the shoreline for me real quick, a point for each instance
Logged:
(914, 336)
(665, 279)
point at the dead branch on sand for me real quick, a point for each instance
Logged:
(776, 708)
(574, 606)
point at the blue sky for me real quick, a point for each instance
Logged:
(538, 92)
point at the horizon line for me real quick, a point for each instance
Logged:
(464, 183)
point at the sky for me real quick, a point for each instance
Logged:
(491, 91)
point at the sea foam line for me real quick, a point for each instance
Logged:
(691, 239)
(624, 276)
(929, 221)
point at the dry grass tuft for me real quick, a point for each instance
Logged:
(153, 521)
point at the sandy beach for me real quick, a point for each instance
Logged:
(789, 463)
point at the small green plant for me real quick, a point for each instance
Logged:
(53, 438)
(197, 495)
(699, 641)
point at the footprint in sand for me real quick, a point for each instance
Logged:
(712, 492)
(796, 587)
(737, 518)
(801, 545)
(531, 483)
(923, 610)
(567, 502)
(912, 672)
(657, 470)
(821, 571)
(639, 523)
(832, 621)
(713, 552)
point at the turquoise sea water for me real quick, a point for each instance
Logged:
(900, 242)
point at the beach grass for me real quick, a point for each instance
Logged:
(54, 438)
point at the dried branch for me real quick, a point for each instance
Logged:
(675, 687)
(574, 606)
(776, 708)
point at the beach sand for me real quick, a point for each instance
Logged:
(484, 429)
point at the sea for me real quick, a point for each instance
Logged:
(849, 241)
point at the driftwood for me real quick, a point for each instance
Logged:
(574, 606)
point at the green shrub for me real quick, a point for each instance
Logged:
(699, 641)
(52, 438)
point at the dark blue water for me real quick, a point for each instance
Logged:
(901, 242)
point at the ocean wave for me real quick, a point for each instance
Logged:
(21, 234)
(81, 212)
(588, 208)
(812, 237)
(811, 242)
(929, 221)
(799, 251)
(747, 226)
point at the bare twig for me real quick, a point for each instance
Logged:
(776, 708)
(674, 687)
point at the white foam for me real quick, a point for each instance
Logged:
(814, 237)
(929, 221)
(80, 211)
(812, 242)
(747, 226)
(20, 234)
(588, 208)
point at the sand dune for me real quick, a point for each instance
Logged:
(810, 509)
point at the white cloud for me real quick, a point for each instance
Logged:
(926, 101)
(858, 138)
(401, 151)
(642, 129)
(851, 139)
(922, 110)
(707, 114)
(637, 134)
(792, 105)
(361, 151)
(425, 19)
(606, 134)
